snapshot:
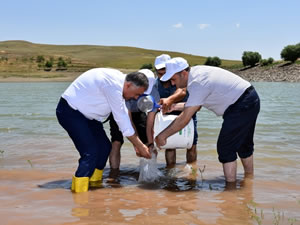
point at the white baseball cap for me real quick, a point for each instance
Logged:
(160, 61)
(151, 79)
(173, 66)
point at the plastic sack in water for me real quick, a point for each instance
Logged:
(148, 170)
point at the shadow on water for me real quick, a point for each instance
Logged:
(57, 184)
(171, 181)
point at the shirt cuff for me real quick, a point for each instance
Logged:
(128, 132)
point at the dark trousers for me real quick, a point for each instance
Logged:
(88, 137)
(236, 135)
(138, 118)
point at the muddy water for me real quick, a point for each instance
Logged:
(37, 160)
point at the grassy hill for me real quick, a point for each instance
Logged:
(19, 59)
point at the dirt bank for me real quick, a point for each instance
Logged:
(275, 73)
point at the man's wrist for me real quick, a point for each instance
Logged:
(150, 145)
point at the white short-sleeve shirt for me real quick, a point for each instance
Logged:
(98, 92)
(214, 88)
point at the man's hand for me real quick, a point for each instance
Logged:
(143, 151)
(160, 140)
(166, 104)
(152, 149)
(140, 149)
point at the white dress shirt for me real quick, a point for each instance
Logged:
(214, 88)
(98, 92)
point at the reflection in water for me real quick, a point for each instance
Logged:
(81, 201)
(234, 202)
(175, 197)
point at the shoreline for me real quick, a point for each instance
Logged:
(31, 79)
(274, 73)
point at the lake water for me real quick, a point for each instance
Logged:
(37, 160)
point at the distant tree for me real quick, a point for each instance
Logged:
(147, 66)
(270, 60)
(213, 61)
(48, 65)
(265, 62)
(250, 58)
(61, 63)
(298, 49)
(290, 53)
(40, 59)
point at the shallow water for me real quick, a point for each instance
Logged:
(37, 160)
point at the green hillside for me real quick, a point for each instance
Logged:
(19, 58)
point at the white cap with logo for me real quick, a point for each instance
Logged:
(173, 66)
(151, 79)
(160, 61)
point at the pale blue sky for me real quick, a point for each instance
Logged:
(223, 28)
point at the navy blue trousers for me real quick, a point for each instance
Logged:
(236, 135)
(88, 137)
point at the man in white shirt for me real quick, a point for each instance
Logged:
(139, 121)
(170, 94)
(87, 102)
(227, 95)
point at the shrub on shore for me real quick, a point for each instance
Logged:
(147, 66)
(266, 62)
(250, 58)
(291, 53)
(213, 61)
(40, 59)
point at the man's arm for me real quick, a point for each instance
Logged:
(132, 123)
(177, 96)
(176, 107)
(140, 149)
(180, 122)
(149, 127)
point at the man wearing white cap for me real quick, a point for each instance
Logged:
(227, 95)
(169, 94)
(139, 120)
(84, 105)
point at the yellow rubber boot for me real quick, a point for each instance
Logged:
(96, 178)
(73, 183)
(80, 184)
(97, 175)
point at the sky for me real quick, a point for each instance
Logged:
(223, 28)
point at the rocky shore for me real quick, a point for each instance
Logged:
(276, 73)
